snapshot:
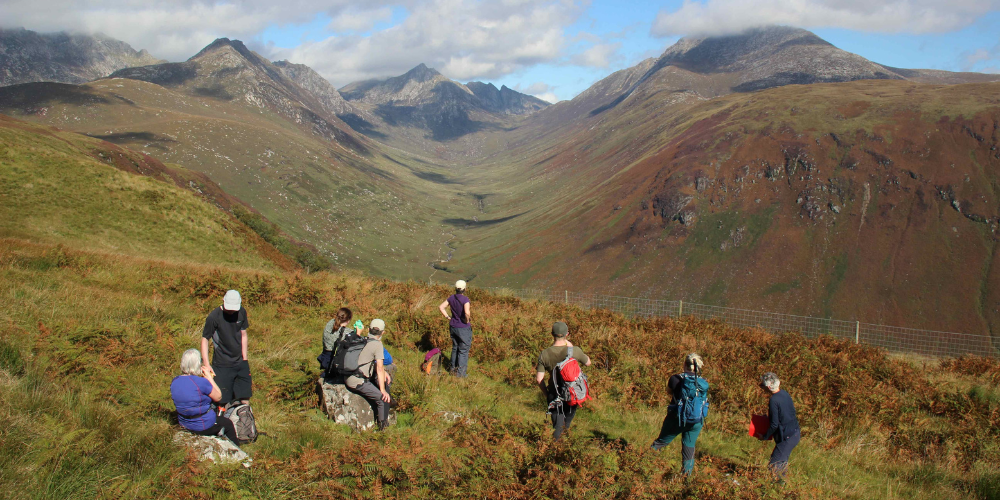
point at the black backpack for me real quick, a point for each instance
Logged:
(346, 356)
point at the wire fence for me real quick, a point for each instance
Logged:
(892, 338)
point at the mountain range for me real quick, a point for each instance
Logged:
(768, 169)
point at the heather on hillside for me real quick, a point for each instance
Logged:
(90, 341)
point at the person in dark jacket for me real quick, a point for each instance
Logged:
(672, 426)
(784, 427)
(194, 391)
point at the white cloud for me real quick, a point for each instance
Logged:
(715, 17)
(535, 88)
(355, 20)
(983, 60)
(464, 39)
(598, 56)
(173, 30)
(549, 97)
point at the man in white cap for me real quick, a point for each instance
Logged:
(227, 327)
(461, 328)
(371, 371)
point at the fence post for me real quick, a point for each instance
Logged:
(857, 333)
(567, 296)
(680, 308)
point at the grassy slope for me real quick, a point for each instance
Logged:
(89, 341)
(58, 188)
(589, 198)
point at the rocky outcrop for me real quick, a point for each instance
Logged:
(345, 407)
(212, 448)
(27, 56)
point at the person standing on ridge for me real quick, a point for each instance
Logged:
(784, 424)
(227, 327)
(460, 326)
(563, 413)
(687, 388)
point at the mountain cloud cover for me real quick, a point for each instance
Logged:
(721, 17)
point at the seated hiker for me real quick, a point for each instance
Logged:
(561, 409)
(369, 379)
(193, 392)
(784, 424)
(335, 328)
(687, 410)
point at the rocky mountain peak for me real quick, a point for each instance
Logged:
(420, 73)
(27, 56)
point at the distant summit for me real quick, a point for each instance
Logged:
(425, 99)
(755, 59)
(27, 56)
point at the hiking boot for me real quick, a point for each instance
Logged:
(380, 425)
(656, 446)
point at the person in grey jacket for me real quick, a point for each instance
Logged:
(784, 427)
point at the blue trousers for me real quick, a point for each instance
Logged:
(783, 446)
(461, 341)
(689, 436)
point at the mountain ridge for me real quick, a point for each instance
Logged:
(28, 56)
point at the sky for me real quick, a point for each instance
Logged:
(553, 49)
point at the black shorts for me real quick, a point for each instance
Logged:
(234, 382)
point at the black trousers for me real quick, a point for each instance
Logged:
(562, 417)
(234, 382)
(221, 423)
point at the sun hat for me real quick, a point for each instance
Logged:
(461, 284)
(231, 301)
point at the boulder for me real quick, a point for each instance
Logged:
(212, 448)
(346, 407)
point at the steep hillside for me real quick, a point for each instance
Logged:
(852, 200)
(63, 188)
(27, 56)
(233, 116)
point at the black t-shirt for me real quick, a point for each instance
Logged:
(224, 327)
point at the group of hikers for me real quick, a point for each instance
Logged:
(210, 396)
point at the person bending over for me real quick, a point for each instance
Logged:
(226, 326)
(784, 427)
(370, 381)
(193, 392)
(562, 414)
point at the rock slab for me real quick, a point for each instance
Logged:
(212, 448)
(346, 407)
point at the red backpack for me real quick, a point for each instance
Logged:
(570, 381)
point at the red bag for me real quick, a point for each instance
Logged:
(571, 383)
(758, 426)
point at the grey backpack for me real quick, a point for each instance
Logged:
(242, 417)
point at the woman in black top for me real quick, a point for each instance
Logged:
(784, 425)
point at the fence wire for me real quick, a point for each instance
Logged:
(892, 338)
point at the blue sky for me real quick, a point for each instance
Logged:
(550, 48)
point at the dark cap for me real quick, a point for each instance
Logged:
(559, 329)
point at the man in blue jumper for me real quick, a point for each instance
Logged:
(784, 425)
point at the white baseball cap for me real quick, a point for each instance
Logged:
(231, 302)
(460, 284)
(377, 324)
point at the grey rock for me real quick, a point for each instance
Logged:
(212, 448)
(346, 407)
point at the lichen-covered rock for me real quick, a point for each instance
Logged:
(345, 407)
(212, 448)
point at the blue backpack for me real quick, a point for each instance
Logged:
(692, 404)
